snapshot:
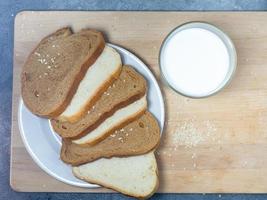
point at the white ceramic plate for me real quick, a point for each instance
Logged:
(43, 144)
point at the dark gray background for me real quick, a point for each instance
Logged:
(8, 10)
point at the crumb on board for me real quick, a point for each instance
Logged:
(190, 133)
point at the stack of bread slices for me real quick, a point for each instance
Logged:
(99, 108)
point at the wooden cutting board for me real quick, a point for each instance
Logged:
(217, 144)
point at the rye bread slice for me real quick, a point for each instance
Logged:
(138, 137)
(130, 87)
(55, 68)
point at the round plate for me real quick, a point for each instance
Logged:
(43, 144)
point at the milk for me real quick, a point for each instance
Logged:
(195, 61)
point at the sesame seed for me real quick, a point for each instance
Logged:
(37, 54)
(49, 67)
(53, 45)
(116, 131)
(42, 61)
(245, 163)
(107, 94)
(48, 89)
(40, 76)
(189, 134)
(120, 138)
(131, 129)
(36, 93)
(45, 74)
(127, 134)
(112, 135)
(122, 129)
(123, 80)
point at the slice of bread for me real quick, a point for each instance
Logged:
(130, 87)
(138, 137)
(54, 69)
(119, 119)
(97, 79)
(135, 176)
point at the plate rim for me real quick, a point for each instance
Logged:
(37, 161)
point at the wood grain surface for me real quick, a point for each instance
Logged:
(217, 144)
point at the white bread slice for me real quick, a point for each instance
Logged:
(106, 69)
(135, 176)
(119, 118)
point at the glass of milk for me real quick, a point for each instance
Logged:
(197, 59)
